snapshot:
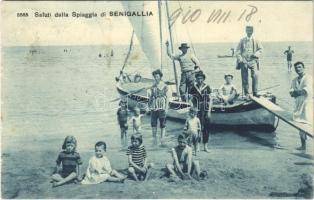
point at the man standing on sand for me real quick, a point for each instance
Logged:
(248, 53)
(289, 53)
(188, 63)
(302, 91)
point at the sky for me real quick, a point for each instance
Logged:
(273, 21)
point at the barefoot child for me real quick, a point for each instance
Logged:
(122, 115)
(136, 120)
(138, 167)
(99, 168)
(183, 165)
(68, 163)
(192, 129)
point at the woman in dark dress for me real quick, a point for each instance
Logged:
(200, 96)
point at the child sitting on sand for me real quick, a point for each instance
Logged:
(99, 168)
(122, 115)
(228, 92)
(136, 120)
(192, 129)
(68, 163)
(183, 165)
(138, 167)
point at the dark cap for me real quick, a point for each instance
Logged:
(184, 46)
(200, 73)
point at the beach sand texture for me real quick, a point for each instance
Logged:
(51, 93)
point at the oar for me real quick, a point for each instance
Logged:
(271, 87)
(137, 91)
(262, 90)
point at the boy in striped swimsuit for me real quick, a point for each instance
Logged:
(138, 167)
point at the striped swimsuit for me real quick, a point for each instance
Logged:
(138, 154)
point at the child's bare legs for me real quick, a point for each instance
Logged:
(114, 179)
(136, 129)
(56, 177)
(62, 181)
(117, 174)
(149, 171)
(205, 147)
(196, 167)
(131, 171)
(123, 137)
(162, 134)
(154, 131)
(171, 170)
(195, 148)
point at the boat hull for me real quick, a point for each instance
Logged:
(245, 116)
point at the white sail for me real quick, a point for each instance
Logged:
(146, 29)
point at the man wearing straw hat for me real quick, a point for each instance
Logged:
(248, 53)
(188, 63)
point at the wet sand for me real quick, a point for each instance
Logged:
(239, 165)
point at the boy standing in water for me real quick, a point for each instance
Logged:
(122, 115)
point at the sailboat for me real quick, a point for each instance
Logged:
(243, 114)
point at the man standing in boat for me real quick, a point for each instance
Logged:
(200, 97)
(158, 96)
(302, 91)
(248, 53)
(188, 63)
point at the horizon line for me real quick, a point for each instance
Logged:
(46, 45)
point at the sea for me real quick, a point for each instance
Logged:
(49, 92)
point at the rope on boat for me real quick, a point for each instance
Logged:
(129, 52)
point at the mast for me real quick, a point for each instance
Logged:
(160, 31)
(171, 45)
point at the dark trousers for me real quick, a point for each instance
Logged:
(186, 82)
(245, 78)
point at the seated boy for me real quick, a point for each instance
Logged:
(183, 165)
(228, 92)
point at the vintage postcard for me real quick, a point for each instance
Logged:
(156, 99)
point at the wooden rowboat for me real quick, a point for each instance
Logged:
(242, 115)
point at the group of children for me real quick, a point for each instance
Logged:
(99, 169)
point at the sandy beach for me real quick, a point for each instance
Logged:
(239, 165)
(52, 94)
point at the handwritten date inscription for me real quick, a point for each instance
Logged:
(215, 15)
